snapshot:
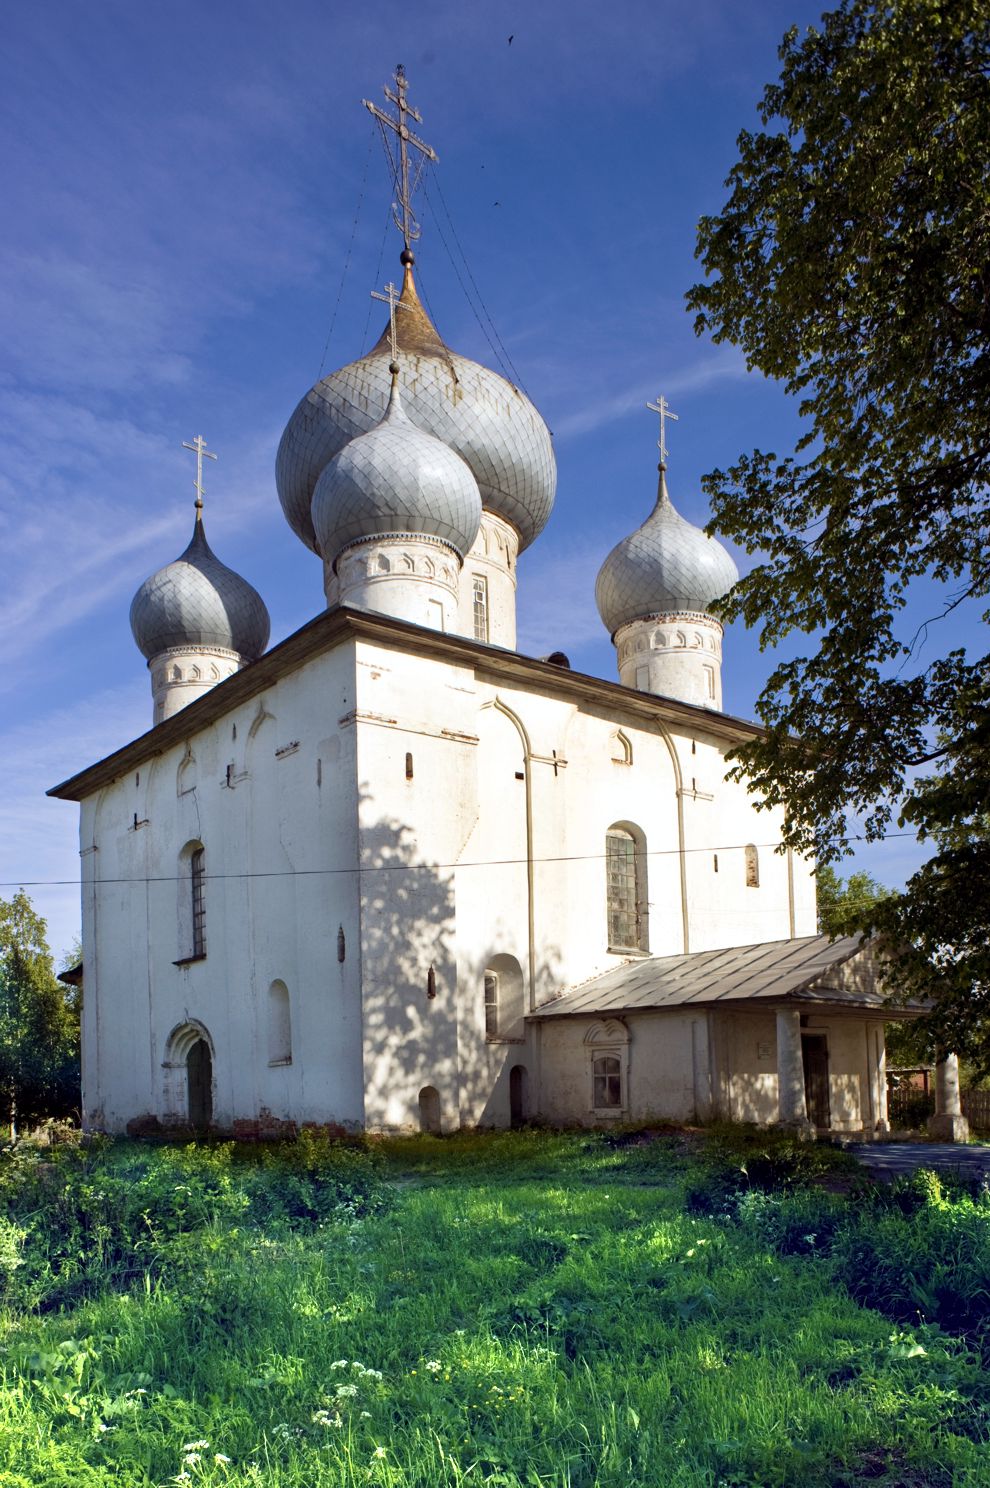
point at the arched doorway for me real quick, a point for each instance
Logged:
(518, 1095)
(199, 1075)
(187, 1094)
(429, 1110)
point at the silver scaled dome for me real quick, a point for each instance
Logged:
(667, 566)
(199, 601)
(394, 480)
(490, 424)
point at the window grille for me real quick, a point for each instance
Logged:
(491, 1005)
(607, 1081)
(197, 868)
(480, 607)
(624, 927)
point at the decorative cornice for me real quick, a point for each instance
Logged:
(335, 626)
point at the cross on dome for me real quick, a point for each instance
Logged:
(662, 407)
(402, 211)
(392, 299)
(198, 447)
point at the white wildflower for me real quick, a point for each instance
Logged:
(196, 1446)
(345, 1391)
(220, 1457)
(434, 1366)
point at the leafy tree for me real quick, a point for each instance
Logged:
(39, 1032)
(843, 904)
(852, 261)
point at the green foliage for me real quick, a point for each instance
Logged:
(850, 261)
(39, 1030)
(558, 1324)
(114, 1213)
(846, 905)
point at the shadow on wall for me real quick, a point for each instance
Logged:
(408, 981)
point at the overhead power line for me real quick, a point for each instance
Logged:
(660, 852)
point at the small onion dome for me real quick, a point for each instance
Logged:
(392, 481)
(199, 601)
(480, 415)
(667, 566)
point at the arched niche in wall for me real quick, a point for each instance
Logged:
(186, 775)
(279, 1017)
(505, 999)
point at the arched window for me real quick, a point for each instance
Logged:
(279, 1025)
(625, 889)
(192, 902)
(752, 867)
(504, 1005)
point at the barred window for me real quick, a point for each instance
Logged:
(491, 1004)
(480, 607)
(625, 876)
(197, 873)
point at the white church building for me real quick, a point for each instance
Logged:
(392, 874)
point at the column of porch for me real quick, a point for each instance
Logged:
(792, 1110)
(948, 1124)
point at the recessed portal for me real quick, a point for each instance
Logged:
(199, 1073)
(518, 1095)
(429, 1110)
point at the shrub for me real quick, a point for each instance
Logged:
(81, 1218)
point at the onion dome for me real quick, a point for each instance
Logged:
(395, 480)
(484, 418)
(668, 566)
(199, 601)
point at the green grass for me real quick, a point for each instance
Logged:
(518, 1309)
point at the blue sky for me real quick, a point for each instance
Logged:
(181, 189)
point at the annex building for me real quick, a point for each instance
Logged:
(392, 874)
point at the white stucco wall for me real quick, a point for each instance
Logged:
(489, 842)
(267, 790)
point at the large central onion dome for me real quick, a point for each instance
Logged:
(667, 566)
(199, 601)
(485, 419)
(395, 481)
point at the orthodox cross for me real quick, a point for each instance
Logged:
(391, 299)
(199, 449)
(404, 188)
(662, 407)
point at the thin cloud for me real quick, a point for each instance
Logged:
(725, 365)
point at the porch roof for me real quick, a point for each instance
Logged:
(810, 969)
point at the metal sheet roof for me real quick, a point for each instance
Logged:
(812, 968)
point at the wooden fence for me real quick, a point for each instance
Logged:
(911, 1108)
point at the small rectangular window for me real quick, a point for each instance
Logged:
(197, 868)
(491, 1005)
(607, 1079)
(479, 592)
